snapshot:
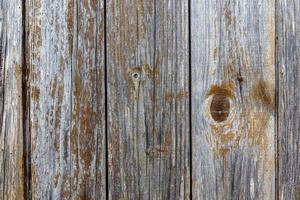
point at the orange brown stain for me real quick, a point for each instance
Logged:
(89, 32)
(37, 36)
(226, 89)
(264, 94)
(70, 24)
(35, 93)
(151, 73)
(228, 15)
(297, 191)
(53, 87)
(87, 137)
(257, 125)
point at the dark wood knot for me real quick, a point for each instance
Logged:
(219, 107)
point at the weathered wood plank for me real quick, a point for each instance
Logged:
(148, 99)
(88, 100)
(233, 87)
(49, 60)
(65, 56)
(288, 73)
(11, 135)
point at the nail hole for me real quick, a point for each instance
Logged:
(135, 75)
(219, 107)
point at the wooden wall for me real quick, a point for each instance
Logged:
(148, 99)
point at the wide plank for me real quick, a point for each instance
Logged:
(233, 99)
(66, 79)
(288, 83)
(148, 99)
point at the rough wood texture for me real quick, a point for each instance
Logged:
(288, 62)
(11, 135)
(233, 47)
(54, 99)
(65, 55)
(148, 104)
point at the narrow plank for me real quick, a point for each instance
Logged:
(233, 97)
(148, 104)
(11, 135)
(288, 73)
(88, 100)
(65, 56)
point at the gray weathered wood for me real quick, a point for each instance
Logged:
(52, 104)
(288, 73)
(65, 55)
(148, 99)
(11, 135)
(233, 44)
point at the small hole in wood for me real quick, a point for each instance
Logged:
(135, 75)
(219, 107)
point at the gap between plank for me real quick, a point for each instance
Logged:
(276, 106)
(190, 97)
(25, 112)
(106, 103)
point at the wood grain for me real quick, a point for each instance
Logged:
(11, 142)
(233, 47)
(148, 104)
(65, 55)
(55, 57)
(288, 61)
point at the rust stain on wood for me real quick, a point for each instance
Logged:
(264, 94)
(225, 89)
(70, 24)
(258, 122)
(151, 73)
(297, 191)
(35, 94)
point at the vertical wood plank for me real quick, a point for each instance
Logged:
(65, 56)
(288, 62)
(148, 99)
(233, 97)
(11, 135)
(88, 100)
(49, 60)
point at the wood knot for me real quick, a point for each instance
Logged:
(219, 107)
